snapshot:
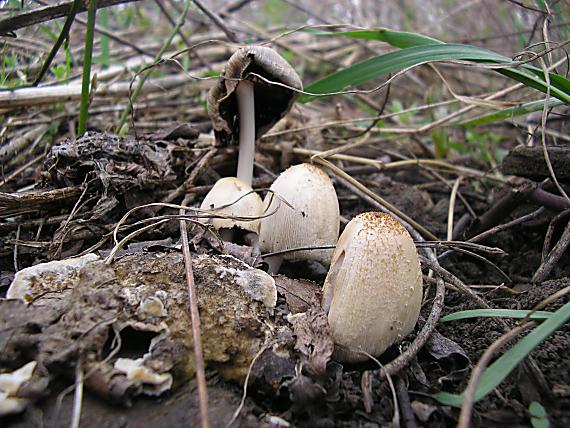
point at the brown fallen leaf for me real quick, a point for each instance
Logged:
(299, 294)
(180, 130)
(314, 340)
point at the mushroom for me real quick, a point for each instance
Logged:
(310, 218)
(373, 290)
(146, 379)
(10, 384)
(257, 103)
(231, 197)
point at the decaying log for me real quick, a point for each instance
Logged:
(529, 162)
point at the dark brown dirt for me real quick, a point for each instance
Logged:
(345, 396)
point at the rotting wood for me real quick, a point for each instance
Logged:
(14, 203)
(529, 162)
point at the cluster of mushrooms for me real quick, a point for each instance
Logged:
(372, 292)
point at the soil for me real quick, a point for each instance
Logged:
(115, 175)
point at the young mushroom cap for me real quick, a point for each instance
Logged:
(373, 290)
(272, 101)
(312, 220)
(232, 197)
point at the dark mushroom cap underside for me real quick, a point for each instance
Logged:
(272, 102)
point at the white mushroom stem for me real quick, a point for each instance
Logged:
(273, 263)
(246, 112)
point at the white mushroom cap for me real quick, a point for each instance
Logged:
(227, 191)
(151, 382)
(373, 290)
(10, 383)
(313, 220)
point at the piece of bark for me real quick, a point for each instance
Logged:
(529, 162)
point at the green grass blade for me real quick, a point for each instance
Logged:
(419, 49)
(556, 80)
(501, 313)
(556, 90)
(398, 60)
(146, 74)
(105, 57)
(399, 39)
(506, 363)
(63, 35)
(86, 78)
(510, 112)
(405, 39)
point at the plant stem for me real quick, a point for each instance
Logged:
(195, 319)
(105, 53)
(63, 35)
(246, 112)
(85, 84)
(157, 58)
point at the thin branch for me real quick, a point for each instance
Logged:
(47, 13)
(78, 396)
(195, 317)
(557, 252)
(405, 406)
(219, 22)
(396, 416)
(64, 34)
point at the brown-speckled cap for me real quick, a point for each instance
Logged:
(272, 102)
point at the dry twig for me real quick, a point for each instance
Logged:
(195, 317)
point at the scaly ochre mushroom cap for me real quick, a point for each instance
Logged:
(313, 221)
(373, 290)
(272, 102)
(227, 191)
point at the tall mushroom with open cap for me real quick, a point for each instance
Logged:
(244, 105)
(310, 218)
(373, 290)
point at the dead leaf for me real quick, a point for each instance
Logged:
(299, 294)
(450, 355)
(423, 411)
(314, 340)
(446, 351)
(180, 130)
